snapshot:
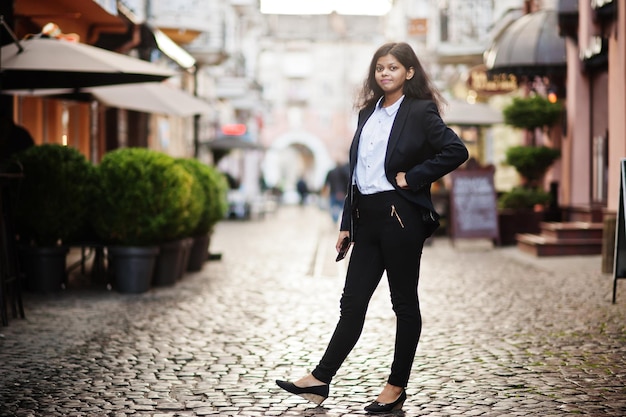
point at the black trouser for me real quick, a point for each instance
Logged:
(389, 237)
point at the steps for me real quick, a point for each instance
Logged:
(563, 239)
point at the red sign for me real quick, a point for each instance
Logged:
(234, 129)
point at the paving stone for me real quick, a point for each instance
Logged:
(505, 334)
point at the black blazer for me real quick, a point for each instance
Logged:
(420, 144)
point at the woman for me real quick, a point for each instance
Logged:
(400, 147)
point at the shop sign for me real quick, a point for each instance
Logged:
(418, 27)
(483, 83)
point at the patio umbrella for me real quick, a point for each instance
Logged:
(50, 63)
(154, 97)
(151, 98)
(462, 113)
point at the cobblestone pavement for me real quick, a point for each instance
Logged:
(505, 334)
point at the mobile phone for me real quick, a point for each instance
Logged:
(343, 249)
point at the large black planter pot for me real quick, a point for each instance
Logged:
(199, 252)
(44, 267)
(167, 268)
(514, 221)
(132, 267)
(184, 259)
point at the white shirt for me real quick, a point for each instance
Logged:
(370, 165)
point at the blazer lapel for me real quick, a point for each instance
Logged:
(357, 137)
(396, 128)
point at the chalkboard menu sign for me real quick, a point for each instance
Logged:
(473, 204)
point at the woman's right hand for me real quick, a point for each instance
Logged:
(342, 235)
(401, 180)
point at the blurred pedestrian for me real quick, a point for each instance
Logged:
(400, 147)
(303, 190)
(336, 185)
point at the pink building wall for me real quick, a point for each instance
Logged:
(617, 105)
(596, 104)
(575, 186)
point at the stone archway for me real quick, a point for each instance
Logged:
(292, 155)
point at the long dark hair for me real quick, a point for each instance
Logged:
(419, 86)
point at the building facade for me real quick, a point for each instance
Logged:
(595, 141)
(312, 67)
(292, 81)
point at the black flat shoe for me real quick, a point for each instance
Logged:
(316, 394)
(376, 407)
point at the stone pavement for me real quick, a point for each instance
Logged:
(505, 334)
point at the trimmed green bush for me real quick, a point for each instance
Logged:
(212, 194)
(218, 201)
(523, 198)
(54, 198)
(196, 202)
(532, 112)
(143, 198)
(531, 162)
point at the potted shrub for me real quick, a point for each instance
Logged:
(517, 212)
(142, 194)
(214, 187)
(521, 209)
(52, 201)
(174, 251)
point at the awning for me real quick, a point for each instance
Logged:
(462, 113)
(530, 46)
(224, 144)
(151, 98)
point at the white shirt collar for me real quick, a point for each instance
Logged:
(391, 109)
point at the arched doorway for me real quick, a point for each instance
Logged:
(294, 155)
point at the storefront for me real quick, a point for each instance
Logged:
(77, 118)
